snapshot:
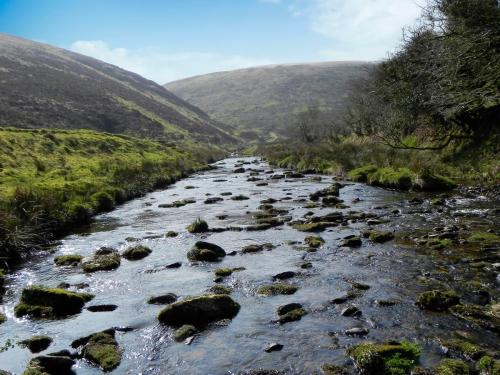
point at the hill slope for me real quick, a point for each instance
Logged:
(48, 87)
(266, 99)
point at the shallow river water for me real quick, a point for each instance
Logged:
(392, 270)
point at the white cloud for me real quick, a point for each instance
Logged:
(360, 29)
(161, 66)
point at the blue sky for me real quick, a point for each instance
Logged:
(165, 40)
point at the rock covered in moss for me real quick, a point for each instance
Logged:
(332, 190)
(254, 248)
(351, 241)
(197, 226)
(380, 236)
(438, 300)
(223, 272)
(220, 289)
(314, 241)
(462, 348)
(290, 313)
(36, 344)
(102, 349)
(3, 318)
(41, 302)
(163, 299)
(329, 369)
(68, 260)
(104, 259)
(50, 365)
(487, 317)
(206, 251)
(452, 367)
(184, 332)
(199, 311)
(277, 288)
(385, 358)
(136, 252)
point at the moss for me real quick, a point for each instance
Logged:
(381, 237)
(488, 366)
(483, 316)
(205, 251)
(220, 289)
(223, 272)
(438, 300)
(401, 178)
(278, 288)
(361, 174)
(314, 241)
(329, 369)
(292, 316)
(183, 332)
(385, 358)
(136, 252)
(310, 227)
(36, 343)
(41, 302)
(484, 237)
(463, 348)
(452, 367)
(438, 244)
(68, 260)
(102, 350)
(102, 262)
(198, 226)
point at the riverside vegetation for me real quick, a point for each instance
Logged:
(52, 180)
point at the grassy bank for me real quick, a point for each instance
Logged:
(51, 180)
(472, 164)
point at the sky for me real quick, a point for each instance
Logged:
(166, 40)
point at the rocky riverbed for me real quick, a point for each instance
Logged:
(244, 268)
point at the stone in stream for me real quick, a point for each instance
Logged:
(239, 197)
(163, 299)
(184, 332)
(136, 252)
(213, 200)
(284, 275)
(351, 311)
(239, 170)
(438, 300)
(278, 288)
(314, 241)
(174, 265)
(273, 347)
(256, 248)
(198, 226)
(380, 237)
(36, 344)
(104, 259)
(290, 313)
(199, 311)
(50, 365)
(41, 302)
(205, 251)
(329, 369)
(332, 190)
(102, 350)
(357, 331)
(72, 260)
(171, 233)
(463, 349)
(102, 308)
(351, 241)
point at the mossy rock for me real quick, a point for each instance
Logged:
(488, 366)
(311, 227)
(36, 344)
(197, 226)
(239, 197)
(484, 238)
(68, 260)
(452, 367)
(438, 300)
(292, 315)
(163, 299)
(3, 318)
(50, 365)
(205, 251)
(177, 204)
(438, 243)
(102, 350)
(172, 233)
(464, 349)
(136, 252)
(314, 241)
(385, 358)
(103, 260)
(41, 302)
(220, 289)
(381, 237)
(487, 317)
(223, 272)
(351, 241)
(199, 311)
(434, 182)
(256, 248)
(184, 332)
(276, 289)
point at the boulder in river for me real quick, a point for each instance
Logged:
(102, 349)
(256, 248)
(438, 300)
(205, 251)
(163, 299)
(41, 302)
(290, 313)
(332, 190)
(277, 288)
(314, 241)
(136, 252)
(184, 332)
(50, 365)
(68, 260)
(197, 226)
(104, 259)
(351, 241)
(37, 343)
(380, 237)
(385, 358)
(199, 311)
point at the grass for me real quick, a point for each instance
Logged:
(51, 180)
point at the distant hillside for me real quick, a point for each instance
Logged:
(262, 100)
(48, 87)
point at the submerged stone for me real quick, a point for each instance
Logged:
(199, 311)
(104, 259)
(278, 288)
(136, 252)
(163, 299)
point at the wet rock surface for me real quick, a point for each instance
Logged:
(410, 245)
